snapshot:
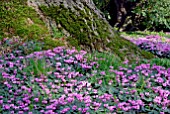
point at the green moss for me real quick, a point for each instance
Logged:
(147, 55)
(18, 19)
(14, 16)
(73, 42)
(75, 24)
(51, 43)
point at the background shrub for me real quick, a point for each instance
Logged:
(136, 14)
(153, 14)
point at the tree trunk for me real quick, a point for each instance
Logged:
(86, 26)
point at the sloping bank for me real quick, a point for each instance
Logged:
(82, 23)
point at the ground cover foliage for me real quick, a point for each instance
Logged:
(63, 80)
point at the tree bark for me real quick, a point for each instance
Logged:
(86, 25)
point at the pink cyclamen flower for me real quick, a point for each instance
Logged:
(79, 57)
(74, 107)
(111, 67)
(162, 112)
(20, 112)
(7, 107)
(103, 73)
(111, 108)
(70, 99)
(26, 108)
(85, 110)
(36, 99)
(100, 82)
(44, 102)
(157, 99)
(1, 101)
(110, 82)
(65, 110)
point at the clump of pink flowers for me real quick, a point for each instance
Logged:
(70, 84)
(154, 44)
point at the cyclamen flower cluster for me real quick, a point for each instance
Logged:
(154, 79)
(160, 49)
(66, 87)
(154, 44)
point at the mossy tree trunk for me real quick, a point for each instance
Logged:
(86, 26)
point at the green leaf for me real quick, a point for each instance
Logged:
(61, 90)
(148, 99)
(113, 90)
(31, 106)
